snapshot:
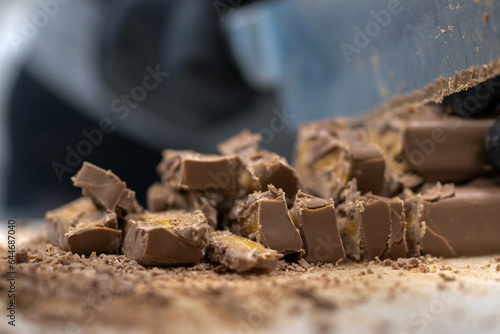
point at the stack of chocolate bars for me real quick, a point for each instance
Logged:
(406, 183)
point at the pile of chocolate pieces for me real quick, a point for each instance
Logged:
(400, 184)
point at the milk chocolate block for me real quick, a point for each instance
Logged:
(264, 218)
(173, 237)
(240, 254)
(463, 222)
(82, 228)
(447, 148)
(373, 226)
(328, 154)
(317, 221)
(188, 170)
(163, 197)
(104, 187)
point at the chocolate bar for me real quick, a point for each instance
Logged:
(162, 197)
(462, 220)
(261, 167)
(373, 226)
(106, 189)
(173, 237)
(317, 222)
(264, 218)
(328, 154)
(448, 148)
(188, 170)
(82, 228)
(240, 254)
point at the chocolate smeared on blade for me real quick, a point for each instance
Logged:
(464, 223)
(240, 254)
(104, 187)
(317, 221)
(166, 238)
(188, 170)
(82, 228)
(264, 218)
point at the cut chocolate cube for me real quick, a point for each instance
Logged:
(82, 228)
(328, 154)
(261, 167)
(463, 222)
(265, 168)
(264, 218)
(241, 254)
(373, 226)
(173, 237)
(317, 221)
(188, 170)
(104, 187)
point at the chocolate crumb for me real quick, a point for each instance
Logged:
(443, 31)
(447, 277)
(387, 262)
(22, 256)
(498, 267)
(370, 271)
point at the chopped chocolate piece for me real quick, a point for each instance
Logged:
(166, 238)
(80, 227)
(373, 226)
(328, 155)
(415, 226)
(162, 197)
(264, 217)
(244, 144)
(261, 167)
(104, 187)
(446, 149)
(464, 224)
(128, 203)
(318, 225)
(396, 245)
(266, 168)
(241, 254)
(192, 171)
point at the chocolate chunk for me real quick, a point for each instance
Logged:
(396, 245)
(192, 171)
(329, 154)
(104, 187)
(415, 226)
(166, 238)
(317, 221)
(162, 197)
(373, 226)
(261, 167)
(446, 149)
(266, 168)
(240, 254)
(464, 224)
(264, 217)
(244, 144)
(128, 203)
(80, 227)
